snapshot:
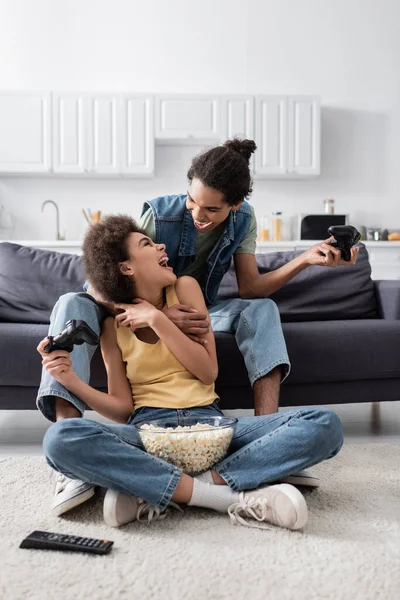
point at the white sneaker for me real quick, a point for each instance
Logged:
(119, 509)
(282, 505)
(303, 477)
(69, 493)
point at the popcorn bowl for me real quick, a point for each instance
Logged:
(195, 445)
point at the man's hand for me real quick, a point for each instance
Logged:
(194, 324)
(333, 256)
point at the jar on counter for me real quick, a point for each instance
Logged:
(276, 227)
(329, 205)
(264, 231)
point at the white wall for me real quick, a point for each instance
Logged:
(346, 51)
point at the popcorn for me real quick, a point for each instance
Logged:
(193, 452)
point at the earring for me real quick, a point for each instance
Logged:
(234, 216)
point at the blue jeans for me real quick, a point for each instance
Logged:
(255, 323)
(263, 449)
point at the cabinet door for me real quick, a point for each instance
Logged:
(237, 117)
(69, 133)
(137, 127)
(103, 134)
(25, 139)
(304, 137)
(271, 135)
(187, 118)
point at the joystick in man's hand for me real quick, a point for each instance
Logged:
(345, 236)
(76, 332)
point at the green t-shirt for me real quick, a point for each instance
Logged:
(205, 242)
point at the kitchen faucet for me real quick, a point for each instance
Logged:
(59, 236)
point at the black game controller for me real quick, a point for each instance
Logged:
(76, 332)
(345, 236)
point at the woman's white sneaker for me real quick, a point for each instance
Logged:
(305, 478)
(69, 493)
(119, 509)
(281, 505)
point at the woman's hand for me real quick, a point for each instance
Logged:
(333, 256)
(137, 315)
(57, 364)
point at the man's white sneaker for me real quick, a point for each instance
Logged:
(303, 477)
(282, 505)
(69, 493)
(119, 509)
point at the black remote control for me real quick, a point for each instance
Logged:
(46, 540)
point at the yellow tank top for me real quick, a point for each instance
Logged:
(157, 378)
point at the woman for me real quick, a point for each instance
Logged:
(154, 370)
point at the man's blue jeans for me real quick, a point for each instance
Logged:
(255, 323)
(263, 450)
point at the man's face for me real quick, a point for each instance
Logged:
(207, 206)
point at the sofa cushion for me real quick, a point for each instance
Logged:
(332, 351)
(21, 363)
(32, 280)
(316, 293)
(327, 352)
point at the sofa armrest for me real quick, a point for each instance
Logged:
(388, 297)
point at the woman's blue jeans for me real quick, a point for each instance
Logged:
(263, 449)
(255, 323)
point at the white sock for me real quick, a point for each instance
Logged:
(208, 495)
(206, 477)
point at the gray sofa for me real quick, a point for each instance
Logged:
(341, 328)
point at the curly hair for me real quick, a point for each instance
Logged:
(104, 247)
(226, 169)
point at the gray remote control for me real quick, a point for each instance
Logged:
(46, 540)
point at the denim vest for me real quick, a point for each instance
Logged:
(175, 228)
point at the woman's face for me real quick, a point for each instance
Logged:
(147, 264)
(207, 206)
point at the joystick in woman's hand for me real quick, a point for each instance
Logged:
(345, 236)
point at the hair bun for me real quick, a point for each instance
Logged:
(244, 147)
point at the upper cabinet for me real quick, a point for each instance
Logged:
(25, 126)
(304, 141)
(271, 135)
(69, 133)
(114, 135)
(237, 117)
(103, 153)
(137, 135)
(187, 118)
(288, 136)
(103, 134)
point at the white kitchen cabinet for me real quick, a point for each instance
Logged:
(183, 118)
(237, 117)
(271, 135)
(25, 126)
(137, 135)
(103, 139)
(288, 137)
(304, 148)
(69, 133)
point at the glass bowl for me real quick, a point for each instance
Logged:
(195, 445)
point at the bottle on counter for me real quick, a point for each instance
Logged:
(329, 205)
(276, 227)
(264, 231)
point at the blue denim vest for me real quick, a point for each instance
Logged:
(175, 228)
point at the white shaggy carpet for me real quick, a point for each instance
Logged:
(349, 550)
